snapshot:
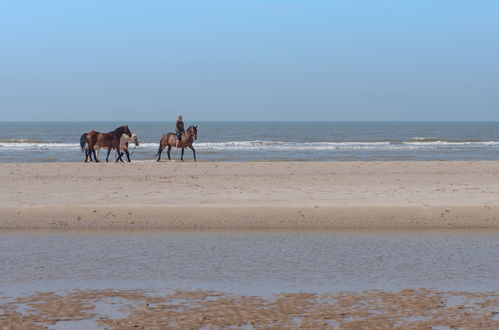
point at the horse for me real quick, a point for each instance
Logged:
(93, 140)
(170, 140)
(124, 140)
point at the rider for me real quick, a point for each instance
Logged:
(179, 130)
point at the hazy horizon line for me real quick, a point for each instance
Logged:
(255, 121)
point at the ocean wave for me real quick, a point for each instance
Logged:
(434, 139)
(281, 145)
(424, 139)
(38, 146)
(452, 143)
(271, 145)
(22, 141)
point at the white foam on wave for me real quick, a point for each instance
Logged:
(281, 145)
(452, 143)
(424, 139)
(271, 145)
(38, 146)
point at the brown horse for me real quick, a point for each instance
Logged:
(96, 140)
(170, 140)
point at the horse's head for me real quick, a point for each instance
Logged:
(135, 139)
(123, 130)
(126, 130)
(193, 130)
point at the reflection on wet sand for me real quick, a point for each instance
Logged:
(258, 279)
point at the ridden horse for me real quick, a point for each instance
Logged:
(170, 140)
(93, 140)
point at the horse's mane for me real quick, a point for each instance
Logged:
(192, 126)
(119, 129)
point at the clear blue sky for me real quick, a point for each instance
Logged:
(249, 60)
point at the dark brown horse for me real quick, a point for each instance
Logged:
(170, 139)
(93, 140)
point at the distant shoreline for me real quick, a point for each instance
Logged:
(249, 195)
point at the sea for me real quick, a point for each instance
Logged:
(265, 141)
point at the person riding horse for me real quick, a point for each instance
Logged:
(179, 130)
(171, 140)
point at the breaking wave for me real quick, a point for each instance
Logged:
(415, 143)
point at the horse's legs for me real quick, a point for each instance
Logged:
(127, 155)
(168, 152)
(96, 153)
(160, 148)
(95, 156)
(119, 154)
(108, 152)
(194, 152)
(182, 156)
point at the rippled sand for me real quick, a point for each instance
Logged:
(195, 309)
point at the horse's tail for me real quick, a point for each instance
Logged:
(160, 146)
(83, 142)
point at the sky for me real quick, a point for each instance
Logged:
(260, 60)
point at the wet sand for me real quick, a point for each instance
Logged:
(249, 195)
(111, 309)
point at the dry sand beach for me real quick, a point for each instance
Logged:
(249, 195)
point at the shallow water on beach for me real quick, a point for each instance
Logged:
(254, 263)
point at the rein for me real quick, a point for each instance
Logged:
(134, 147)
